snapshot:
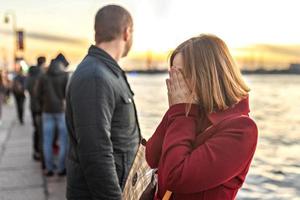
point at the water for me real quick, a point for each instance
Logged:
(275, 106)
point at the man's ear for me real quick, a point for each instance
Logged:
(127, 34)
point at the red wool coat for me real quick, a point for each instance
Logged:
(211, 165)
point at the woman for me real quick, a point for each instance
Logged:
(205, 143)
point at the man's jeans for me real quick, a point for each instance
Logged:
(50, 121)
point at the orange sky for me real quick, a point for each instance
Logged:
(251, 56)
(257, 32)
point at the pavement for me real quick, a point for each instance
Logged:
(21, 178)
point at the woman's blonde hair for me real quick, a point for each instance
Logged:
(216, 82)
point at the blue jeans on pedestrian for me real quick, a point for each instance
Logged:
(50, 121)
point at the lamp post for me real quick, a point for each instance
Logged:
(11, 16)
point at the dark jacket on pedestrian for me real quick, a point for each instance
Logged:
(18, 86)
(2, 87)
(34, 74)
(103, 128)
(51, 89)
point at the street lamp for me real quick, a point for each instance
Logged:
(11, 16)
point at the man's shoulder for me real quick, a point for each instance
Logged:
(92, 67)
(91, 75)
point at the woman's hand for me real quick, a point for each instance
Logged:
(178, 90)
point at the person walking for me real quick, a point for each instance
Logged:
(61, 59)
(18, 88)
(34, 74)
(2, 94)
(51, 97)
(8, 86)
(205, 143)
(101, 115)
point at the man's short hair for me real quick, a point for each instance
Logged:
(41, 60)
(110, 22)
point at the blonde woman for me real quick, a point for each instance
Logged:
(205, 143)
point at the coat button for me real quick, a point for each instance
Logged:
(129, 100)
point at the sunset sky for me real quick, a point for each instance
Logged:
(258, 32)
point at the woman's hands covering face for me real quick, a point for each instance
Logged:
(178, 90)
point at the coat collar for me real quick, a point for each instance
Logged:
(241, 108)
(106, 58)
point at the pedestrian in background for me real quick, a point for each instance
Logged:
(18, 89)
(34, 74)
(51, 96)
(8, 86)
(2, 95)
(60, 58)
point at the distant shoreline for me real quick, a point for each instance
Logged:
(272, 72)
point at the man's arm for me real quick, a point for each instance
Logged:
(93, 104)
(38, 92)
(65, 85)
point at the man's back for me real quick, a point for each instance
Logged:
(19, 85)
(103, 128)
(51, 89)
(34, 74)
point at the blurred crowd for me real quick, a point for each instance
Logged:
(45, 87)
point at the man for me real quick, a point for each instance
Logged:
(101, 114)
(62, 60)
(34, 73)
(18, 88)
(51, 95)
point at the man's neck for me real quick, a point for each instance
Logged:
(112, 48)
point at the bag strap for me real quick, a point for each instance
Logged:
(167, 195)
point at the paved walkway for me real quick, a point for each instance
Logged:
(20, 177)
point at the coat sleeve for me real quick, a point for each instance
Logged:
(154, 144)
(38, 91)
(218, 160)
(27, 83)
(93, 104)
(66, 80)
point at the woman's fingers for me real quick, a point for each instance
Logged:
(178, 89)
(172, 81)
(176, 80)
(180, 77)
(168, 85)
(169, 94)
(182, 81)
